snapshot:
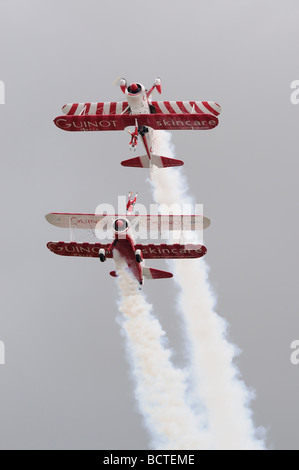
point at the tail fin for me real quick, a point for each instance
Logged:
(144, 162)
(150, 273)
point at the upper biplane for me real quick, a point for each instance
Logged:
(122, 229)
(145, 115)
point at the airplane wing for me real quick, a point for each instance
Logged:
(185, 107)
(157, 107)
(69, 220)
(151, 251)
(118, 122)
(155, 223)
(85, 250)
(150, 273)
(159, 223)
(175, 251)
(110, 107)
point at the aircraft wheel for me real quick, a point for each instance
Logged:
(138, 256)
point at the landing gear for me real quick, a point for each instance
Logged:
(102, 255)
(138, 256)
(142, 130)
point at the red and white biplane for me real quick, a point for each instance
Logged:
(123, 229)
(145, 115)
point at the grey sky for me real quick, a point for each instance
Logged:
(66, 382)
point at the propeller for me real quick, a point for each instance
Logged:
(122, 82)
(116, 81)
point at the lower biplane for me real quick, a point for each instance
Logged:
(122, 229)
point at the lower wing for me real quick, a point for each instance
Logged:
(151, 251)
(118, 122)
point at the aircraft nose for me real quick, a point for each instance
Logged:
(119, 224)
(134, 87)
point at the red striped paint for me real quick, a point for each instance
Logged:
(212, 110)
(196, 108)
(73, 109)
(125, 105)
(182, 107)
(169, 107)
(112, 107)
(157, 107)
(100, 108)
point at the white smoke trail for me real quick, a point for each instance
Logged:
(160, 387)
(217, 379)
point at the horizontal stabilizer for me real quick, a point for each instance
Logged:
(150, 273)
(144, 162)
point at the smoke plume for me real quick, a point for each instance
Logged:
(160, 387)
(215, 375)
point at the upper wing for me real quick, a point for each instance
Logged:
(157, 107)
(186, 107)
(110, 107)
(68, 220)
(160, 223)
(154, 223)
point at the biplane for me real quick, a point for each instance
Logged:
(123, 229)
(145, 115)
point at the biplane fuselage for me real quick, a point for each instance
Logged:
(138, 101)
(127, 250)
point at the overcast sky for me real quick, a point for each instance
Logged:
(66, 383)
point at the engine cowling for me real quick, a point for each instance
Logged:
(120, 225)
(137, 98)
(121, 228)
